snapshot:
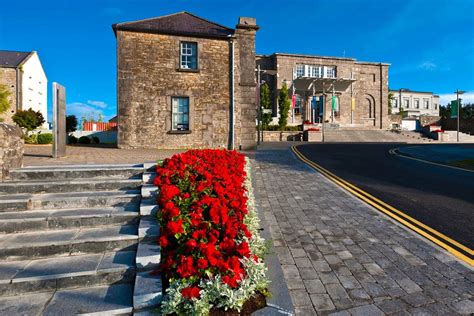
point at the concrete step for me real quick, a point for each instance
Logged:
(52, 274)
(100, 300)
(28, 245)
(80, 185)
(11, 222)
(76, 172)
(23, 202)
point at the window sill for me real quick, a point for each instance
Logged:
(188, 70)
(179, 132)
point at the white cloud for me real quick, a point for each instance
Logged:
(82, 110)
(427, 65)
(99, 104)
(467, 97)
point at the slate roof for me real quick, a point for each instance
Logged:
(12, 59)
(182, 23)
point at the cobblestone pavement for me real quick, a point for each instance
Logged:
(40, 155)
(339, 256)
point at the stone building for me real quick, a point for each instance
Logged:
(185, 82)
(347, 92)
(415, 103)
(23, 74)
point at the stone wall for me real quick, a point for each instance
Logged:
(426, 120)
(278, 136)
(11, 149)
(149, 76)
(8, 78)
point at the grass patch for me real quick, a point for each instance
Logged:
(465, 163)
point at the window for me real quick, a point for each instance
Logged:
(427, 104)
(331, 72)
(189, 55)
(180, 113)
(299, 71)
(298, 105)
(407, 103)
(315, 71)
(435, 106)
(395, 103)
(417, 104)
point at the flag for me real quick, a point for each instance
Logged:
(313, 102)
(454, 109)
(293, 100)
(353, 104)
(334, 103)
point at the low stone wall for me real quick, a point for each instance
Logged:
(426, 120)
(11, 149)
(279, 136)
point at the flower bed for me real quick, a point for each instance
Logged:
(211, 251)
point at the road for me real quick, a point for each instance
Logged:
(440, 197)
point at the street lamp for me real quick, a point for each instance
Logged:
(458, 92)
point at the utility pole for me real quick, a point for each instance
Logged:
(324, 113)
(458, 92)
(259, 114)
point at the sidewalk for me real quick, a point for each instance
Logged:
(341, 256)
(40, 155)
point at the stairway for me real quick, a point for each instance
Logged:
(68, 240)
(372, 136)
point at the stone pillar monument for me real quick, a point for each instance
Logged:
(245, 84)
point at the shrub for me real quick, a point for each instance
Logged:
(71, 139)
(284, 106)
(211, 250)
(71, 123)
(287, 128)
(31, 139)
(45, 138)
(95, 140)
(84, 140)
(28, 119)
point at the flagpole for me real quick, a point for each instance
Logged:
(332, 104)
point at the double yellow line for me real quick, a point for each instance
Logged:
(458, 250)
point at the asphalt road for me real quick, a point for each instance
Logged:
(440, 197)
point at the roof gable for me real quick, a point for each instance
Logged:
(12, 59)
(182, 23)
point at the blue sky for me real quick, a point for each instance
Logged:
(430, 43)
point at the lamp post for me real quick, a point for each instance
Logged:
(458, 92)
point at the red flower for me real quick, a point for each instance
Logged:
(175, 227)
(202, 263)
(191, 292)
(243, 249)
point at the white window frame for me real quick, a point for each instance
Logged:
(300, 71)
(298, 105)
(426, 104)
(188, 54)
(177, 112)
(330, 71)
(407, 103)
(416, 103)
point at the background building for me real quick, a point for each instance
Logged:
(360, 89)
(185, 82)
(415, 103)
(23, 74)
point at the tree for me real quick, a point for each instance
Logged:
(391, 97)
(100, 118)
(28, 119)
(71, 123)
(266, 104)
(4, 102)
(283, 106)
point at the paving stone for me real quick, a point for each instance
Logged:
(359, 294)
(417, 299)
(115, 299)
(303, 262)
(392, 306)
(300, 298)
(373, 268)
(409, 286)
(349, 282)
(301, 310)
(322, 302)
(308, 273)
(30, 304)
(336, 291)
(366, 310)
(298, 252)
(464, 307)
(314, 286)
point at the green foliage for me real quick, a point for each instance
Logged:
(71, 123)
(4, 102)
(283, 106)
(84, 140)
(28, 119)
(45, 138)
(72, 139)
(31, 139)
(288, 128)
(95, 140)
(266, 104)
